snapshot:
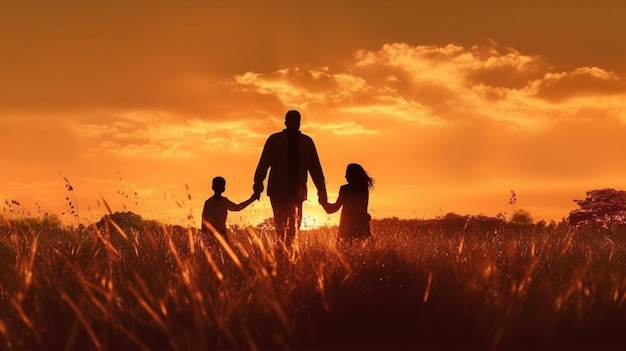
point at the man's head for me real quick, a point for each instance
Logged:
(292, 120)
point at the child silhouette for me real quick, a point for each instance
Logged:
(354, 222)
(216, 208)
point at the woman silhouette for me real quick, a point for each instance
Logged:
(354, 222)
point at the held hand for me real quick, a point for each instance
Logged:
(255, 196)
(325, 206)
(258, 189)
(322, 198)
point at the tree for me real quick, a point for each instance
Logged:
(129, 222)
(521, 217)
(49, 222)
(126, 220)
(452, 216)
(601, 207)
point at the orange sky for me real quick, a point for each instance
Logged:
(449, 105)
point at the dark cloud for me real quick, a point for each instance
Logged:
(77, 56)
(580, 82)
(507, 75)
(82, 57)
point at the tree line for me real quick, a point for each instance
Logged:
(600, 209)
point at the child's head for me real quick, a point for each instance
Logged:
(219, 185)
(355, 174)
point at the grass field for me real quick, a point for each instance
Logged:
(415, 285)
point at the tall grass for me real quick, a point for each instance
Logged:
(409, 287)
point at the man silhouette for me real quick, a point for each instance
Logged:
(290, 156)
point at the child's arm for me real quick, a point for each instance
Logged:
(240, 206)
(331, 208)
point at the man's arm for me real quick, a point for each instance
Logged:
(317, 175)
(261, 168)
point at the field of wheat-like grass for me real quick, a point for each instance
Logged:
(412, 286)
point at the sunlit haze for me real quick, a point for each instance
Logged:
(449, 105)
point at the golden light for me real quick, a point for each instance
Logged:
(317, 220)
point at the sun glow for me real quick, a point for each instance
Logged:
(315, 218)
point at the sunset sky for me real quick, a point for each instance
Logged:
(449, 105)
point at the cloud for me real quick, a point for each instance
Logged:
(347, 128)
(396, 107)
(583, 81)
(439, 85)
(162, 135)
(455, 65)
(298, 87)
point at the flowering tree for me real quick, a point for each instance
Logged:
(604, 207)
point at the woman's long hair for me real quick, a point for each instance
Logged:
(355, 174)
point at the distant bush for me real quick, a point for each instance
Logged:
(522, 217)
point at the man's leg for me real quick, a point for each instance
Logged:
(280, 216)
(293, 222)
